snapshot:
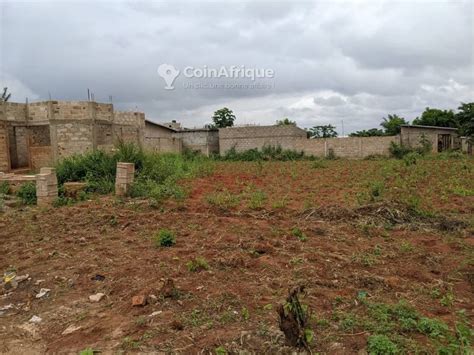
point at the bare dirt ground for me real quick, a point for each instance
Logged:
(261, 229)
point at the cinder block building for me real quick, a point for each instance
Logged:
(170, 137)
(440, 138)
(38, 134)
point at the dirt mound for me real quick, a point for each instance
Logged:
(383, 214)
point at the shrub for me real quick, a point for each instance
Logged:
(27, 193)
(318, 164)
(223, 199)
(398, 151)
(164, 238)
(381, 345)
(197, 264)
(268, 152)
(432, 327)
(156, 174)
(411, 158)
(257, 200)
(4, 188)
(376, 190)
(298, 233)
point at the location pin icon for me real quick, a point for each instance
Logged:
(169, 73)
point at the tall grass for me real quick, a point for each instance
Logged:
(267, 152)
(156, 175)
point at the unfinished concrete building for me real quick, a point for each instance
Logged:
(440, 138)
(170, 137)
(38, 134)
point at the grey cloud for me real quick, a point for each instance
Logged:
(374, 59)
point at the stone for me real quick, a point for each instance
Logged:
(155, 314)
(71, 329)
(43, 292)
(35, 319)
(139, 300)
(97, 297)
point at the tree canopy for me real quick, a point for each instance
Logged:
(324, 131)
(465, 119)
(285, 122)
(436, 117)
(373, 132)
(223, 118)
(392, 125)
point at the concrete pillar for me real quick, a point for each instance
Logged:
(124, 178)
(46, 187)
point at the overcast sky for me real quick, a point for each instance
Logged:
(332, 61)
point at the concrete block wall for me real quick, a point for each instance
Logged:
(71, 138)
(201, 140)
(347, 147)
(245, 138)
(163, 144)
(294, 138)
(124, 178)
(4, 153)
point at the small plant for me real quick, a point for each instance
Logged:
(164, 238)
(318, 164)
(281, 203)
(245, 313)
(432, 327)
(221, 351)
(27, 193)
(87, 351)
(223, 199)
(4, 188)
(298, 233)
(294, 320)
(406, 247)
(381, 345)
(411, 158)
(197, 264)
(257, 200)
(376, 190)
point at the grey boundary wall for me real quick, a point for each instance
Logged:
(294, 138)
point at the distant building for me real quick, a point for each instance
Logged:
(441, 138)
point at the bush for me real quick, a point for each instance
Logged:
(381, 345)
(398, 151)
(411, 158)
(4, 188)
(27, 193)
(268, 152)
(198, 264)
(156, 175)
(164, 238)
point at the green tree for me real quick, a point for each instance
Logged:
(436, 117)
(373, 132)
(392, 124)
(324, 131)
(285, 122)
(223, 118)
(5, 97)
(465, 119)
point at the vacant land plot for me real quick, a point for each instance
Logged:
(384, 248)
